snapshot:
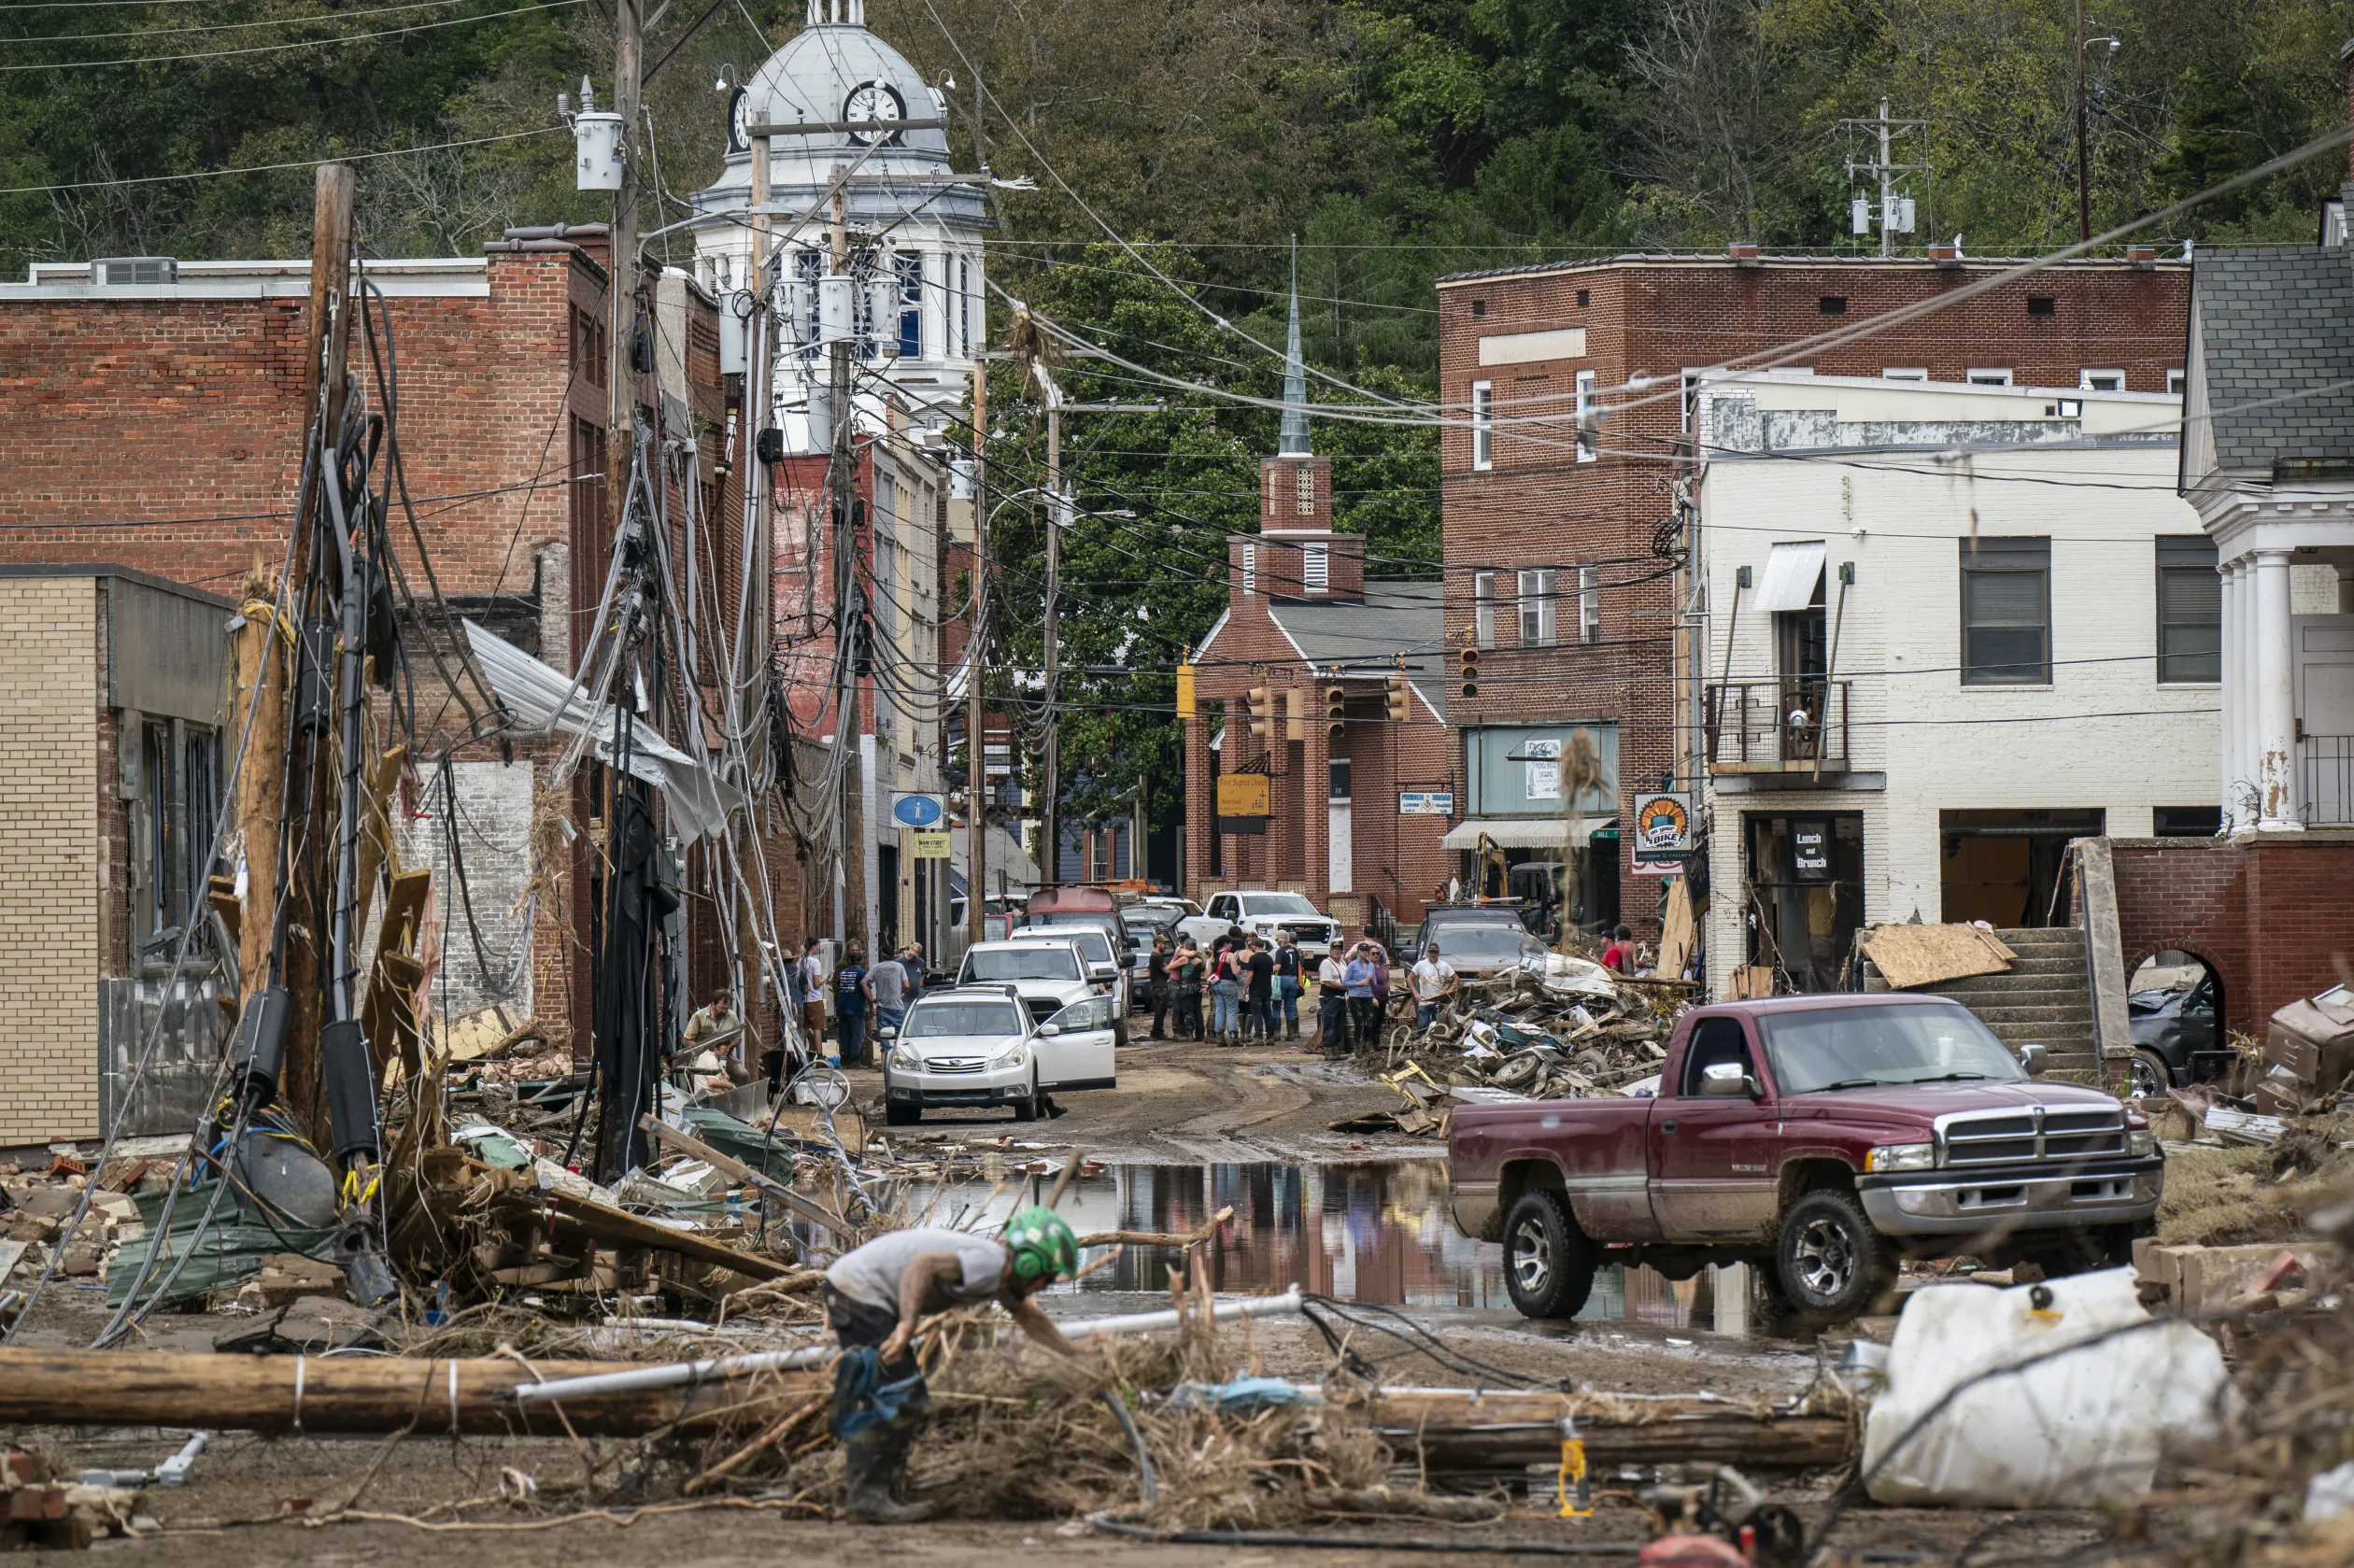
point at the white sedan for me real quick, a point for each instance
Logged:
(975, 1047)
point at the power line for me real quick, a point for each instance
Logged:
(278, 48)
(275, 168)
(227, 26)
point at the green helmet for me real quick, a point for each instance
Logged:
(1043, 1246)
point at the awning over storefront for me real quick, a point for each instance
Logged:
(1539, 832)
(1792, 573)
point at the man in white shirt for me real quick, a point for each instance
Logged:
(1434, 981)
(1332, 1002)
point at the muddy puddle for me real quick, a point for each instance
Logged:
(1375, 1233)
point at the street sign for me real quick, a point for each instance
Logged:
(932, 846)
(1425, 803)
(1662, 828)
(910, 809)
(1242, 794)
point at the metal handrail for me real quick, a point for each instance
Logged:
(1790, 721)
(2328, 795)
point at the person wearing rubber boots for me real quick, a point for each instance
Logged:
(876, 1295)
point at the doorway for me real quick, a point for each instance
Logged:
(1806, 895)
(2009, 868)
(886, 911)
(1339, 849)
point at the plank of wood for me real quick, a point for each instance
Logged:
(688, 1143)
(618, 1226)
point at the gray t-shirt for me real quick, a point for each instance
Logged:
(889, 979)
(871, 1273)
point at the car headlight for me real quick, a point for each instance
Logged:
(1902, 1156)
(2140, 1142)
(904, 1059)
(1009, 1057)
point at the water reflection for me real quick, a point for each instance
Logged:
(1373, 1233)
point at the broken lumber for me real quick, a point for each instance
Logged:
(277, 1394)
(805, 1207)
(616, 1226)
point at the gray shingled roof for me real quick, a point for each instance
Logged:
(2274, 320)
(1395, 617)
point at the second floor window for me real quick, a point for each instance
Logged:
(1484, 607)
(1537, 609)
(1483, 424)
(909, 267)
(1589, 604)
(2190, 610)
(1588, 416)
(2007, 612)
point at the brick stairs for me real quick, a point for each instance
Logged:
(2044, 997)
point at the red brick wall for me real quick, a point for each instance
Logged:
(1538, 506)
(2270, 915)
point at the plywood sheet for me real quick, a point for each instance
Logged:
(1916, 956)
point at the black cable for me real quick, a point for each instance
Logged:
(1430, 1345)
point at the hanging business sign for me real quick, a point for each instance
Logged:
(910, 809)
(1242, 794)
(930, 846)
(1662, 830)
(1425, 803)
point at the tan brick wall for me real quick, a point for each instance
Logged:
(49, 900)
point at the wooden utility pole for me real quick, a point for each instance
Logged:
(846, 598)
(2084, 156)
(1050, 850)
(629, 60)
(976, 762)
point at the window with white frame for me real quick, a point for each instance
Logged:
(1250, 570)
(1988, 376)
(1904, 373)
(1483, 424)
(2101, 380)
(1589, 604)
(964, 308)
(1315, 568)
(1537, 609)
(1586, 416)
(2175, 379)
(1484, 607)
(909, 265)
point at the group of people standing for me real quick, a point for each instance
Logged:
(1245, 986)
(863, 997)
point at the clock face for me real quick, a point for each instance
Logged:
(740, 121)
(873, 100)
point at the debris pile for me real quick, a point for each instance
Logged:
(1560, 1027)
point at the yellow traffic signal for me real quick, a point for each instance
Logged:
(1262, 713)
(1336, 711)
(1468, 660)
(1400, 708)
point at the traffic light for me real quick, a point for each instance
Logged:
(1336, 711)
(1262, 712)
(1400, 709)
(1468, 662)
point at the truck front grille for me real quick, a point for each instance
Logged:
(2035, 1132)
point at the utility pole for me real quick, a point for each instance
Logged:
(1893, 211)
(851, 622)
(629, 60)
(1050, 861)
(2084, 157)
(976, 645)
(1887, 184)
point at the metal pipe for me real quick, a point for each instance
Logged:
(673, 1374)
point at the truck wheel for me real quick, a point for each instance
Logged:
(1548, 1261)
(2147, 1076)
(1831, 1263)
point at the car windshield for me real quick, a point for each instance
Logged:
(945, 1018)
(1093, 943)
(1154, 915)
(1852, 1047)
(1486, 938)
(1022, 963)
(1277, 903)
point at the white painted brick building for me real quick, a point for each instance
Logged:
(1901, 722)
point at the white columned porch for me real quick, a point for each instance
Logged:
(2274, 696)
(2227, 727)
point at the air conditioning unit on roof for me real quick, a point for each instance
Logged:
(120, 272)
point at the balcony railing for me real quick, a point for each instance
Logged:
(1795, 723)
(2329, 778)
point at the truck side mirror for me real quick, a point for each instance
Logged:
(2034, 1058)
(1727, 1080)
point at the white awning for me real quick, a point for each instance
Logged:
(1792, 573)
(545, 700)
(1528, 832)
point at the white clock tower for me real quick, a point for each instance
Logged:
(917, 230)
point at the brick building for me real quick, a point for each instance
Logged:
(1562, 532)
(152, 417)
(1351, 722)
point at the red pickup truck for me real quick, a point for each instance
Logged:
(1827, 1136)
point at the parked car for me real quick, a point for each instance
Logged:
(1146, 920)
(1822, 1137)
(1476, 941)
(978, 1046)
(2174, 1038)
(1266, 914)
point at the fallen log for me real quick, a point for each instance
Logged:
(619, 1227)
(1159, 1239)
(281, 1394)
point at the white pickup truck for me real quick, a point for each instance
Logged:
(1265, 915)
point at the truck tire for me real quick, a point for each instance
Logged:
(2147, 1076)
(1548, 1261)
(1828, 1260)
